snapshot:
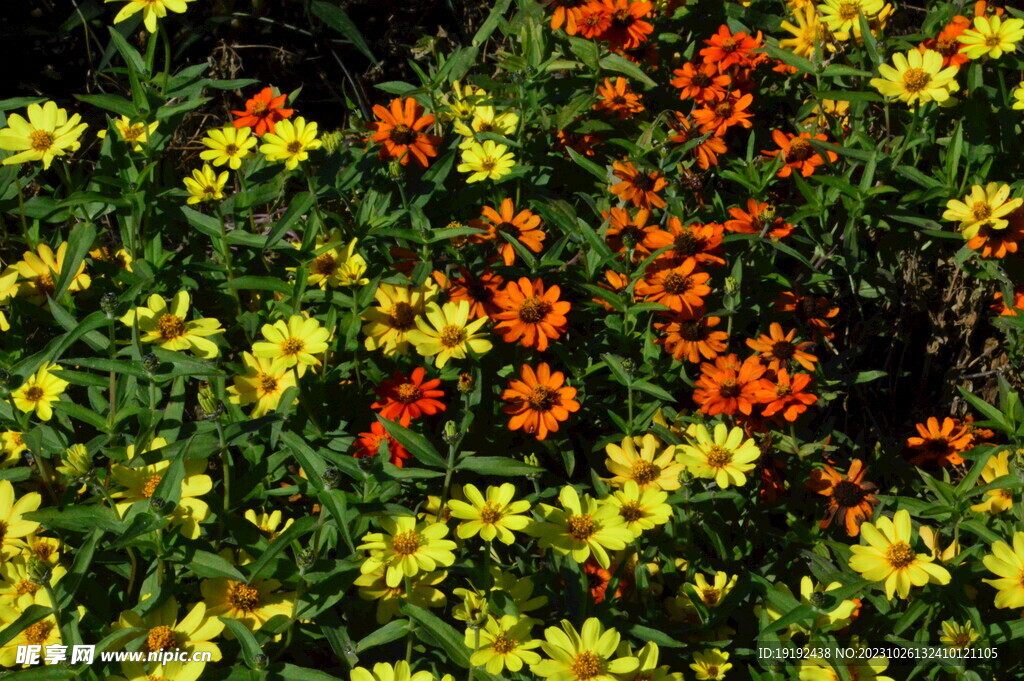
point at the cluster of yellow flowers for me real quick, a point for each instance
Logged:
(470, 109)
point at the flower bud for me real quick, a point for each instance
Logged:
(332, 141)
(156, 504)
(466, 382)
(305, 559)
(39, 571)
(209, 406)
(108, 303)
(260, 661)
(451, 433)
(732, 285)
(332, 478)
(76, 463)
(395, 170)
(150, 363)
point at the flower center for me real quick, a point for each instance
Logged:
(623, 19)
(729, 388)
(34, 394)
(676, 283)
(171, 327)
(402, 134)
(644, 472)
(402, 317)
(849, 10)
(692, 331)
(407, 543)
(45, 283)
(488, 164)
(268, 383)
(150, 486)
(783, 350)
(631, 512)
(161, 638)
(504, 644)
(848, 494)
(799, 150)
(783, 389)
(701, 79)
(231, 149)
(981, 210)
(686, 244)
(325, 265)
(643, 182)
(26, 587)
(993, 41)
(293, 346)
(586, 665)
(915, 80)
(407, 393)
(453, 336)
(724, 110)
(260, 108)
(534, 310)
(710, 595)
(133, 132)
(718, 456)
(243, 597)
(38, 633)
(490, 513)
(899, 555)
(41, 140)
(294, 147)
(580, 527)
(542, 398)
(729, 44)
(712, 671)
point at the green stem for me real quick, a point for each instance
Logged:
(113, 376)
(304, 402)
(225, 254)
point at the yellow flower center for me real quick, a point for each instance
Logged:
(133, 132)
(644, 472)
(453, 336)
(631, 512)
(981, 210)
(41, 140)
(25, 587)
(38, 633)
(170, 327)
(899, 555)
(294, 147)
(161, 638)
(407, 543)
(34, 394)
(586, 665)
(504, 644)
(718, 456)
(259, 108)
(268, 383)
(993, 41)
(16, 439)
(534, 310)
(490, 513)
(581, 527)
(848, 10)
(915, 80)
(292, 346)
(150, 486)
(243, 597)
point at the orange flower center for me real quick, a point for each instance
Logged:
(586, 665)
(729, 44)
(542, 398)
(161, 638)
(644, 472)
(150, 486)
(899, 555)
(38, 633)
(915, 80)
(243, 597)
(26, 587)
(402, 317)
(170, 327)
(981, 210)
(45, 284)
(292, 346)
(490, 513)
(402, 134)
(41, 140)
(534, 310)
(453, 336)
(260, 108)
(676, 283)
(407, 543)
(718, 456)
(504, 644)
(407, 393)
(580, 527)
(133, 132)
(268, 383)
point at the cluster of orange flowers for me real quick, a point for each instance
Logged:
(623, 24)
(948, 44)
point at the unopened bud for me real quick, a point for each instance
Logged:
(108, 303)
(395, 170)
(209, 406)
(260, 661)
(305, 559)
(76, 464)
(332, 141)
(332, 478)
(39, 571)
(451, 433)
(732, 285)
(819, 600)
(150, 363)
(157, 505)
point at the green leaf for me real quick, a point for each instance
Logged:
(619, 64)
(497, 465)
(435, 631)
(131, 56)
(80, 518)
(417, 445)
(335, 17)
(392, 631)
(32, 614)
(119, 105)
(79, 242)
(250, 648)
(588, 165)
(205, 564)
(280, 543)
(300, 204)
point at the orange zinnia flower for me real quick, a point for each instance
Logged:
(400, 132)
(1013, 310)
(530, 314)
(997, 243)
(627, 28)
(625, 232)
(948, 42)
(939, 444)
(538, 400)
(727, 49)
(706, 152)
(812, 312)
(637, 187)
(618, 99)
(616, 283)
(581, 143)
(681, 288)
(262, 111)
(786, 395)
(728, 387)
(850, 499)
(690, 336)
(523, 226)
(759, 218)
(799, 153)
(566, 12)
(702, 83)
(779, 348)
(717, 117)
(479, 292)
(369, 445)
(594, 20)
(404, 398)
(697, 242)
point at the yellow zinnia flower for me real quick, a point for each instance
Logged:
(47, 133)
(133, 134)
(582, 527)
(957, 635)
(992, 36)
(205, 185)
(486, 161)
(503, 643)
(885, 555)
(152, 10)
(819, 669)
(447, 333)
(588, 655)
(40, 391)
(394, 316)
(808, 32)
(163, 631)
(988, 205)
(263, 383)
(17, 580)
(842, 17)
(917, 78)
(931, 541)
(726, 457)
(11, 511)
(290, 142)
(640, 509)
(422, 592)
(487, 119)
(406, 548)
(637, 459)
(814, 595)
(710, 665)
(996, 500)
(494, 516)
(40, 270)
(335, 264)
(463, 101)
(228, 145)
(268, 522)
(165, 325)
(43, 633)
(252, 603)
(13, 445)
(1008, 564)
(1018, 94)
(8, 289)
(141, 482)
(295, 341)
(385, 671)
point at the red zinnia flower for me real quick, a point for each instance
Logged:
(627, 28)
(404, 398)
(369, 444)
(262, 111)
(400, 132)
(758, 218)
(727, 49)
(728, 387)
(642, 189)
(786, 395)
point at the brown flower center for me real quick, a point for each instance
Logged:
(407, 543)
(710, 595)
(687, 244)
(644, 472)
(724, 110)
(534, 310)
(899, 555)
(490, 514)
(915, 80)
(170, 327)
(729, 388)
(45, 284)
(622, 19)
(452, 336)
(701, 79)
(150, 486)
(981, 210)
(38, 633)
(34, 394)
(504, 644)
(403, 135)
(231, 149)
(631, 512)
(799, 150)
(692, 331)
(292, 346)
(325, 265)
(580, 527)
(243, 597)
(586, 665)
(268, 383)
(41, 140)
(993, 41)
(729, 44)
(718, 456)
(783, 350)
(848, 494)
(402, 317)
(849, 10)
(542, 398)
(161, 638)
(676, 283)
(644, 183)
